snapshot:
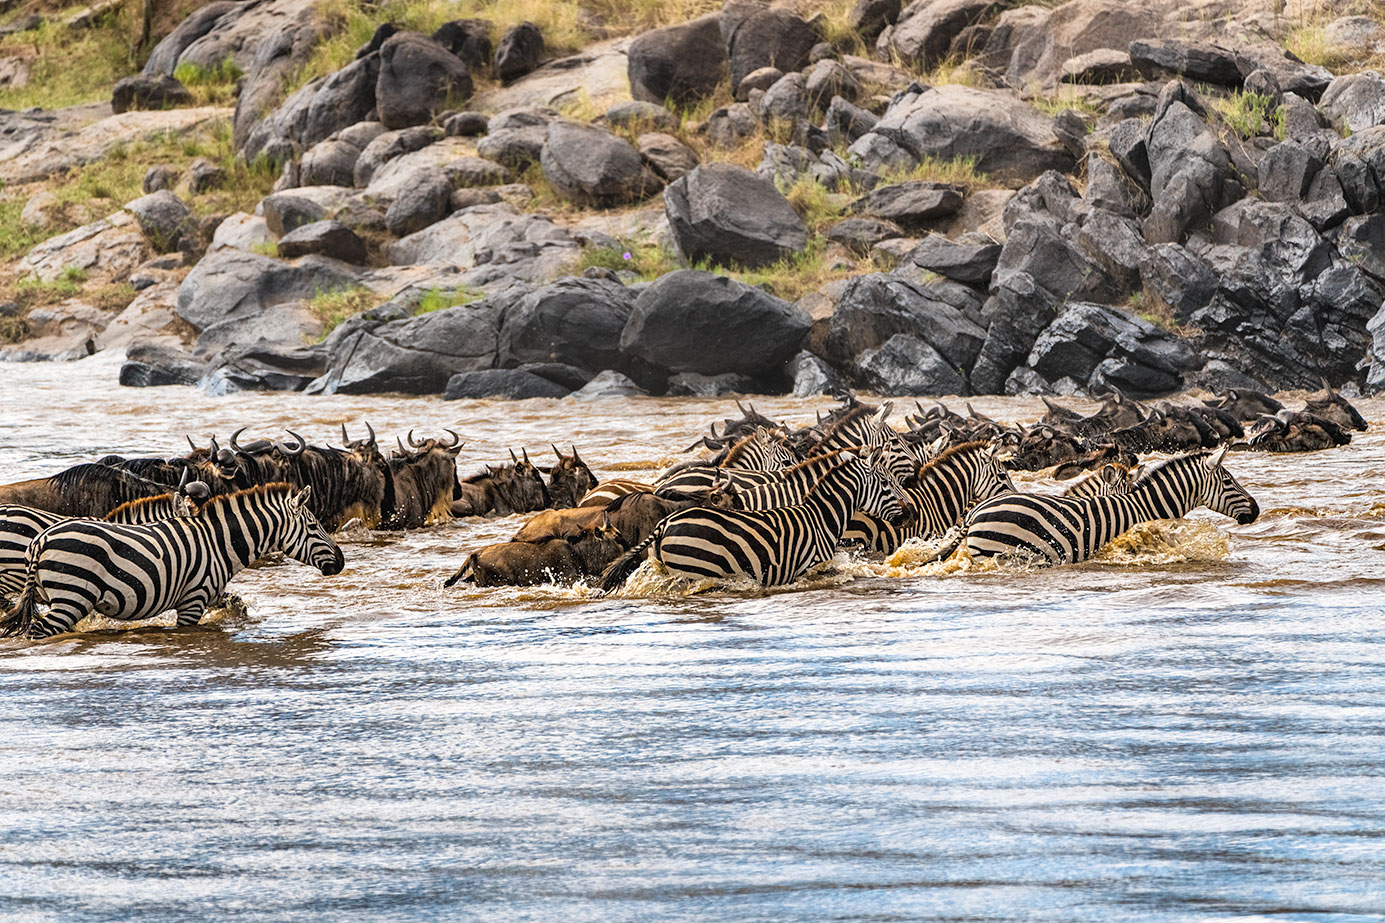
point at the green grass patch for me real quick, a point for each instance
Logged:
(33, 293)
(210, 86)
(815, 204)
(646, 260)
(332, 306)
(440, 299)
(16, 237)
(1246, 114)
(268, 248)
(960, 171)
(1067, 96)
(70, 67)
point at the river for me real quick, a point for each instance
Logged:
(1190, 727)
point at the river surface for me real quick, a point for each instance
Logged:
(1190, 727)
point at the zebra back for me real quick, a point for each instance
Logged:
(946, 489)
(1110, 479)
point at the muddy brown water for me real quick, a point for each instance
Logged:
(1190, 727)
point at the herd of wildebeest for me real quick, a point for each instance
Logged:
(763, 499)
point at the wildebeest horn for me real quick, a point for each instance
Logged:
(555, 451)
(345, 440)
(1049, 404)
(575, 457)
(402, 450)
(234, 436)
(292, 452)
(456, 440)
(525, 452)
(513, 458)
(370, 429)
(182, 481)
(412, 443)
(215, 449)
(741, 409)
(191, 445)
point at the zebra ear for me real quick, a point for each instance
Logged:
(299, 501)
(1216, 458)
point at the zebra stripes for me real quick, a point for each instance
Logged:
(946, 488)
(772, 546)
(134, 572)
(20, 525)
(1067, 530)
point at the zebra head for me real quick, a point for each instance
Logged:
(882, 494)
(305, 540)
(1223, 494)
(992, 477)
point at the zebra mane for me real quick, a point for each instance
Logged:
(275, 489)
(739, 447)
(846, 419)
(811, 460)
(950, 452)
(1176, 461)
(143, 502)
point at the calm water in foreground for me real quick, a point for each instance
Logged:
(1192, 727)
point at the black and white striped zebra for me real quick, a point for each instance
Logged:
(945, 491)
(1067, 530)
(1110, 479)
(772, 546)
(20, 525)
(134, 572)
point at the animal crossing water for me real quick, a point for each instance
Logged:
(1190, 727)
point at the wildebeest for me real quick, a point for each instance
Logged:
(1245, 405)
(569, 480)
(421, 486)
(1294, 431)
(504, 491)
(556, 560)
(1331, 406)
(346, 483)
(86, 491)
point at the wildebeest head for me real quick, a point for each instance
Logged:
(1330, 405)
(569, 480)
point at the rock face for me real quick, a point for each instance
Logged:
(1007, 137)
(143, 92)
(519, 52)
(692, 321)
(1041, 41)
(1356, 101)
(468, 39)
(911, 204)
(574, 322)
(106, 250)
(418, 79)
(314, 112)
(592, 166)
(730, 216)
(925, 29)
(324, 238)
(513, 384)
(423, 203)
(1191, 174)
(764, 38)
(492, 245)
(1101, 347)
(682, 63)
(164, 219)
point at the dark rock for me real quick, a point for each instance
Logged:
(1191, 171)
(1323, 204)
(906, 365)
(728, 126)
(767, 38)
(1110, 189)
(870, 17)
(875, 307)
(377, 40)
(468, 39)
(514, 384)
(1014, 315)
(516, 148)
(730, 216)
(204, 176)
(263, 366)
(386, 147)
(520, 51)
(914, 203)
(1103, 65)
(682, 63)
(606, 385)
(591, 166)
(1051, 260)
(165, 221)
(147, 92)
(829, 80)
(1360, 167)
(925, 29)
(668, 157)
(234, 286)
(418, 79)
(1355, 101)
(1008, 138)
(160, 176)
(1286, 172)
(573, 321)
(1097, 345)
(786, 102)
(1362, 240)
(1285, 72)
(1128, 145)
(693, 321)
(1160, 59)
(153, 364)
(860, 234)
(420, 205)
(639, 114)
(846, 121)
(466, 125)
(762, 78)
(284, 211)
(1176, 281)
(691, 384)
(1114, 244)
(970, 262)
(325, 238)
(813, 376)
(313, 113)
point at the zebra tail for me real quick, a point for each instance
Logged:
(951, 542)
(16, 622)
(619, 570)
(466, 574)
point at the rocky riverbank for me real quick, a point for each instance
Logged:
(945, 197)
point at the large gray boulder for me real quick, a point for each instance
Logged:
(764, 38)
(924, 32)
(315, 111)
(682, 63)
(165, 220)
(1191, 173)
(875, 307)
(1007, 137)
(511, 384)
(332, 162)
(574, 321)
(1356, 101)
(492, 245)
(693, 321)
(388, 145)
(418, 79)
(419, 205)
(323, 238)
(728, 215)
(591, 166)
(519, 52)
(1044, 40)
(145, 92)
(1107, 349)
(907, 365)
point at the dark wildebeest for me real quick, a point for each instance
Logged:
(87, 491)
(633, 515)
(346, 483)
(421, 484)
(569, 480)
(504, 491)
(1295, 431)
(557, 560)
(1331, 406)
(1245, 405)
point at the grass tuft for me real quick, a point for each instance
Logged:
(646, 260)
(440, 299)
(332, 306)
(1246, 114)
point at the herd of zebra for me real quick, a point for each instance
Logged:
(130, 538)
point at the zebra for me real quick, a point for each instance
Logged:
(762, 452)
(1110, 479)
(136, 572)
(946, 489)
(1069, 530)
(772, 546)
(20, 525)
